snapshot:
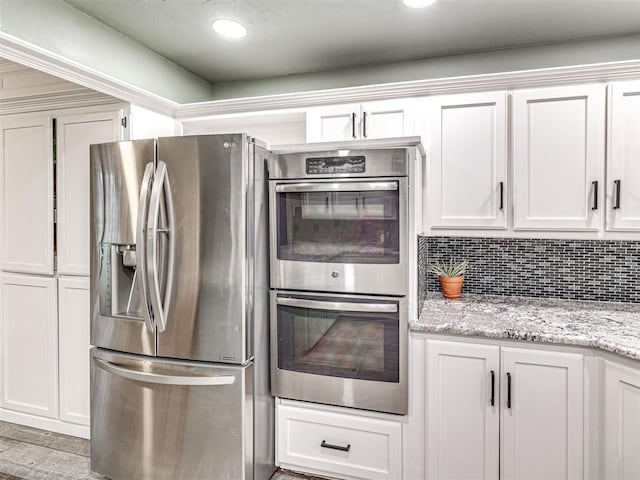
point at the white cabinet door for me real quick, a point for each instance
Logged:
(462, 410)
(74, 135)
(469, 161)
(623, 160)
(387, 119)
(542, 415)
(26, 194)
(558, 158)
(29, 355)
(333, 123)
(622, 423)
(73, 351)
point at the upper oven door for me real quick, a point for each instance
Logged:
(339, 235)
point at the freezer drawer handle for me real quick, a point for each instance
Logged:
(164, 379)
(337, 187)
(339, 306)
(141, 267)
(324, 444)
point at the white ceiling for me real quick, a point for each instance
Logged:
(300, 36)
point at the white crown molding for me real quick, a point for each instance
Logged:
(55, 101)
(17, 50)
(600, 72)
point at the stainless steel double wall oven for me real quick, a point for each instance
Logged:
(339, 273)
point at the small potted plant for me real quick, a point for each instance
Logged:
(451, 276)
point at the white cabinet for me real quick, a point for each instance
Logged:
(623, 159)
(468, 143)
(542, 414)
(29, 355)
(325, 441)
(558, 158)
(73, 349)
(383, 119)
(622, 422)
(74, 135)
(463, 411)
(501, 412)
(26, 194)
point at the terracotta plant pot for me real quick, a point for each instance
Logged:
(451, 286)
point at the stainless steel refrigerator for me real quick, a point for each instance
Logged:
(179, 310)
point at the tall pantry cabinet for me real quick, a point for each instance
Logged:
(44, 263)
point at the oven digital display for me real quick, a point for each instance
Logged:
(325, 165)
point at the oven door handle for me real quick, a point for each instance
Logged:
(337, 187)
(339, 306)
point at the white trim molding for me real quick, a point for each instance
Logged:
(600, 72)
(25, 53)
(54, 101)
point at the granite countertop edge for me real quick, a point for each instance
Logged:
(610, 327)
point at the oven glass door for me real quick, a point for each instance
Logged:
(339, 337)
(339, 222)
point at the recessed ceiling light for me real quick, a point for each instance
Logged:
(418, 3)
(229, 28)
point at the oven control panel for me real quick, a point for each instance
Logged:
(327, 165)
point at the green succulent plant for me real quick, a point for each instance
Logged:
(451, 269)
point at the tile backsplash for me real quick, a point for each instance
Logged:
(603, 270)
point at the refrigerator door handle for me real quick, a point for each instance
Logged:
(164, 379)
(160, 185)
(141, 260)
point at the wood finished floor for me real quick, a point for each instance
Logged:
(31, 454)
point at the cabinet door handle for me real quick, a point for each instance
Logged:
(493, 388)
(324, 444)
(501, 195)
(353, 125)
(595, 195)
(364, 124)
(508, 390)
(616, 203)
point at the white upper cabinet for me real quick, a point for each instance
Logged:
(463, 411)
(382, 119)
(74, 135)
(26, 198)
(622, 421)
(623, 159)
(558, 161)
(29, 345)
(542, 415)
(468, 174)
(73, 349)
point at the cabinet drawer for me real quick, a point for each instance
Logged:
(363, 447)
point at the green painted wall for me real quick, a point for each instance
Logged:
(63, 30)
(507, 60)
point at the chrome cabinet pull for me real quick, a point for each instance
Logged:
(353, 125)
(364, 124)
(595, 195)
(324, 444)
(141, 261)
(164, 379)
(616, 195)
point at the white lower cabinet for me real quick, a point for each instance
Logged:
(622, 422)
(463, 411)
(29, 342)
(73, 356)
(499, 412)
(325, 441)
(542, 414)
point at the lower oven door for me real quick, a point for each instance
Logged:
(340, 235)
(346, 350)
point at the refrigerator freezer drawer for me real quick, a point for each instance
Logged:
(158, 419)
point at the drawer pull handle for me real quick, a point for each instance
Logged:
(324, 444)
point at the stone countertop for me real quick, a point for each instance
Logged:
(613, 327)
